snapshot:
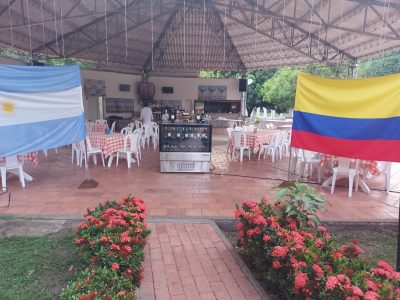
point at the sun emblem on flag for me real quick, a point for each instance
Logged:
(8, 107)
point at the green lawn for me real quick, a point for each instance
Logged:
(36, 267)
(377, 246)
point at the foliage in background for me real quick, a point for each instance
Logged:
(111, 242)
(301, 259)
(275, 88)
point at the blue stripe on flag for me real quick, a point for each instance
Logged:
(348, 128)
(29, 79)
(30, 137)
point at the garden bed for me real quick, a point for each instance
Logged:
(379, 241)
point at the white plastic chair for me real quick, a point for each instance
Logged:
(126, 130)
(232, 124)
(45, 151)
(147, 130)
(385, 168)
(127, 151)
(138, 124)
(311, 160)
(131, 125)
(12, 163)
(271, 148)
(76, 151)
(229, 131)
(155, 136)
(344, 169)
(101, 121)
(113, 126)
(237, 137)
(138, 132)
(287, 141)
(89, 126)
(91, 151)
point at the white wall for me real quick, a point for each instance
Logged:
(185, 89)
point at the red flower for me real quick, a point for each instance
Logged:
(114, 247)
(239, 226)
(319, 243)
(384, 265)
(276, 264)
(125, 237)
(331, 283)
(279, 251)
(321, 228)
(127, 248)
(79, 240)
(250, 232)
(300, 281)
(121, 294)
(357, 291)
(104, 239)
(238, 213)
(259, 220)
(266, 238)
(115, 266)
(292, 225)
(337, 255)
(370, 295)
(249, 204)
(94, 259)
(318, 271)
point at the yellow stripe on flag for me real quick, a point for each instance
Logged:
(377, 97)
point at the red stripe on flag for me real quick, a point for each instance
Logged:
(384, 150)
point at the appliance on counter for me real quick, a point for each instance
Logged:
(185, 147)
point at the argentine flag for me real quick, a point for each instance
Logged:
(40, 108)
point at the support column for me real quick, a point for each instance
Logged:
(243, 106)
(352, 70)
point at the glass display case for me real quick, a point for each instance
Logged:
(185, 147)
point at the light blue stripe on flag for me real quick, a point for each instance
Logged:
(29, 79)
(24, 138)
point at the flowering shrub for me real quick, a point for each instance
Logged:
(111, 242)
(300, 258)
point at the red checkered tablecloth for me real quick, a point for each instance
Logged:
(32, 157)
(93, 127)
(254, 140)
(371, 165)
(109, 143)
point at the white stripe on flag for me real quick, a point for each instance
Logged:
(22, 108)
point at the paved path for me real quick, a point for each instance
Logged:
(192, 261)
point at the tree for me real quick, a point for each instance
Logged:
(386, 65)
(255, 89)
(279, 90)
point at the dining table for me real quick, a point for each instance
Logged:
(96, 127)
(365, 166)
(256, 139)
(108, 143)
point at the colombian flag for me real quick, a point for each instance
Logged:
(357, 118)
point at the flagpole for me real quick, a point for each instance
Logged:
(290, 163)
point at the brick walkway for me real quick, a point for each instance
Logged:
(191, 261)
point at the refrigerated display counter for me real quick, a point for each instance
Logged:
(185, 147)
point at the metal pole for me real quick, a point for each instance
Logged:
(290, 163)
(243, 112)
(398, 243)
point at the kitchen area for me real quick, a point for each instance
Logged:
(183, 108)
